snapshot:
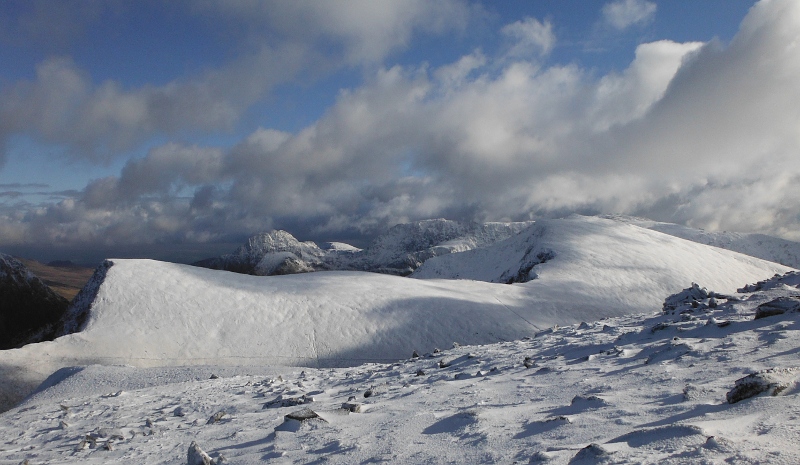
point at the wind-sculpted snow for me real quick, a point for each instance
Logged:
(398, 252)
(652, 388)
(148, 313)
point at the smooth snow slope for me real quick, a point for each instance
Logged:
(769, 248)
(149, 313)
(643, 389)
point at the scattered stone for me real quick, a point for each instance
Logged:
(106, 433)
(375, 390)
(660, 326)
(778, 306)
(688, 297)
(302, 415)
(528, 362)
(592, 401)
(591, 453)
(280, 401)
(583, 325)
(179, 412)
(149, 423)
(719, 323)
(216, 417)
(63, 424)
(82, 445)
(420, 373)
(196, 456)
(540, 457)
(415, 354)
(436, 350)
(561, 420)
(109, 445)
(352, 407)
(214, 376)
(773, 381)
(444, 363)
(456, 345)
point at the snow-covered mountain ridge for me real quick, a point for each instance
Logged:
(762, 246)
(399, 251)
(147, 313)
(705, 382)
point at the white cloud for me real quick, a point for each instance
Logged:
(531, 37)
(365, 30)
(62, 105)
(697, 133)
(621, 14)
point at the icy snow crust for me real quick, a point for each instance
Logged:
(147, 313)
(637, 389)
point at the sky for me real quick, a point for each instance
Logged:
(174, 130)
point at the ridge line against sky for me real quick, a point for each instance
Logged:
(142, 128)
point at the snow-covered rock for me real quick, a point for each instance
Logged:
(272, 253)
(773, 381)
(399, 251)
(404, 247)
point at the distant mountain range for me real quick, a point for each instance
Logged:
(405, 247)
(400, 251)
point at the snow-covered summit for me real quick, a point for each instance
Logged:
(149, 313)
(271, 253)
(703, 383)
(594, 254)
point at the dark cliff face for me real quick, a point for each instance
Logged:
(29, 310)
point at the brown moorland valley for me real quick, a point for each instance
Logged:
(66, 281)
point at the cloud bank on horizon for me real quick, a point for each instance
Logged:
(703, 133)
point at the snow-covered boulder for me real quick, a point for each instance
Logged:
(773, 381)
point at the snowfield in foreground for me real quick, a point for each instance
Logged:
(712, 379)
(147, 314)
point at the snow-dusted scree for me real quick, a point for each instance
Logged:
(661, 388)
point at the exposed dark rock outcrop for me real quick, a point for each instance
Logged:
(29, 309)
